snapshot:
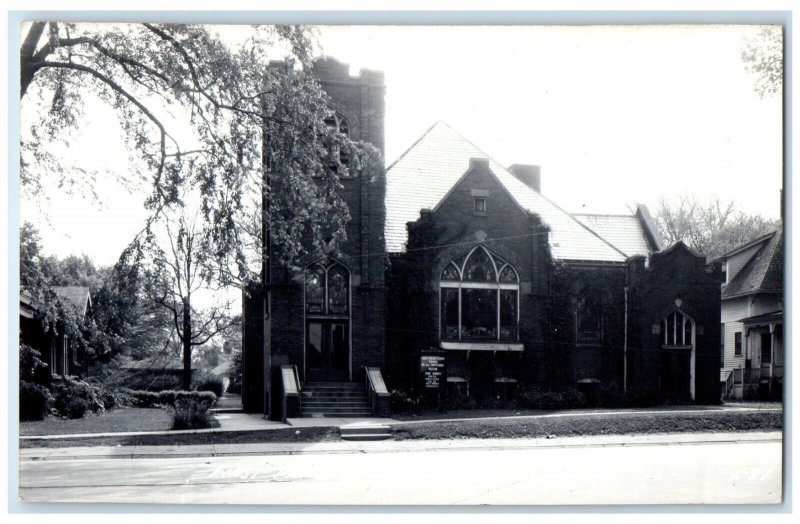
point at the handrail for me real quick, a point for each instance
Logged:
(377, 392)
(291, 398)
(729, 384)
(291, 386)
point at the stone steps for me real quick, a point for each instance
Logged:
(334, 399)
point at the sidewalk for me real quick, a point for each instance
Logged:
(385, 446)
(232, 421)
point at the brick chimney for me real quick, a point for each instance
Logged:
(529, 175)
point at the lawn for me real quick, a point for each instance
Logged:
(119, 420)
(602, 424)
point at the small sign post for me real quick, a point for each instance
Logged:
(434, 375)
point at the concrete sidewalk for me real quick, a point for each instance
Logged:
(240, 421)
(385, 446)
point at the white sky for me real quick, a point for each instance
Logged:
(613, 115)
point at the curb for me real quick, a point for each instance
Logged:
(350, 447)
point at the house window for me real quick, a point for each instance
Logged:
(480, 205)
(479, 298)
(677, 329)
(589, 317)
(327, 287)
(737, 344)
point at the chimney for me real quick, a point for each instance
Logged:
(529, 175)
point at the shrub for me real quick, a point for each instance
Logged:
(150, 399)
(215, 385)
(401, 401)
(34, 401)
(74, 398)
(535, 398)
(461, 401)
(191, 411)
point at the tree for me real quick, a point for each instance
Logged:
(712, 227)
(198, 113)
(762, 55)
(179, 268)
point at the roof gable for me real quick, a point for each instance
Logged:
(763, 273)
(77, 296)
(429, 169)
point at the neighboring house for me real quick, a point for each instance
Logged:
(448, 249)
(58, 350)
(752, 319)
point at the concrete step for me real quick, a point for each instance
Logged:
(335, 404)
(363, 432)
(337, 411)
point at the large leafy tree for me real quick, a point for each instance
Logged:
(712, 227)
(249, 133)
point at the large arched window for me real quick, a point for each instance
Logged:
(327, 285)
(479, 298)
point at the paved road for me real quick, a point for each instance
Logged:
(727, 469)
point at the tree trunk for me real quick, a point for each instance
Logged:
(187, 344)
(26, 58)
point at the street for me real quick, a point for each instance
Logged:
(726, 469)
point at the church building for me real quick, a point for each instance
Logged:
(451, 251)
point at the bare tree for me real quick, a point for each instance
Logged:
(179, 275)
(711, 227)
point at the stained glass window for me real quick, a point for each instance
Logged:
(337, 290)
(479, 267)
(488, 304)
(315, 289)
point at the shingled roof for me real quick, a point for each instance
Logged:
(763, 273)
(426, 172)
(78, 296)
(624, 232)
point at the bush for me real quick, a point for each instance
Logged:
(401, 401)
(191, 411)
(535, 398)
(74, 398)
(34, 401)
(151, 399)
(215, 385)
(461, 401)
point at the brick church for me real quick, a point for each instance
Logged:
(447, 249)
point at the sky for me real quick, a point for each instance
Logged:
(613, 115)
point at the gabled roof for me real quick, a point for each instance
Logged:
(763, 273)
(624, 232)
(426, 172)
(78, 296)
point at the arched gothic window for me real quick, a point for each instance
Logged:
(479, 294)
(677, 329)
(338, 122)
(327, 287)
